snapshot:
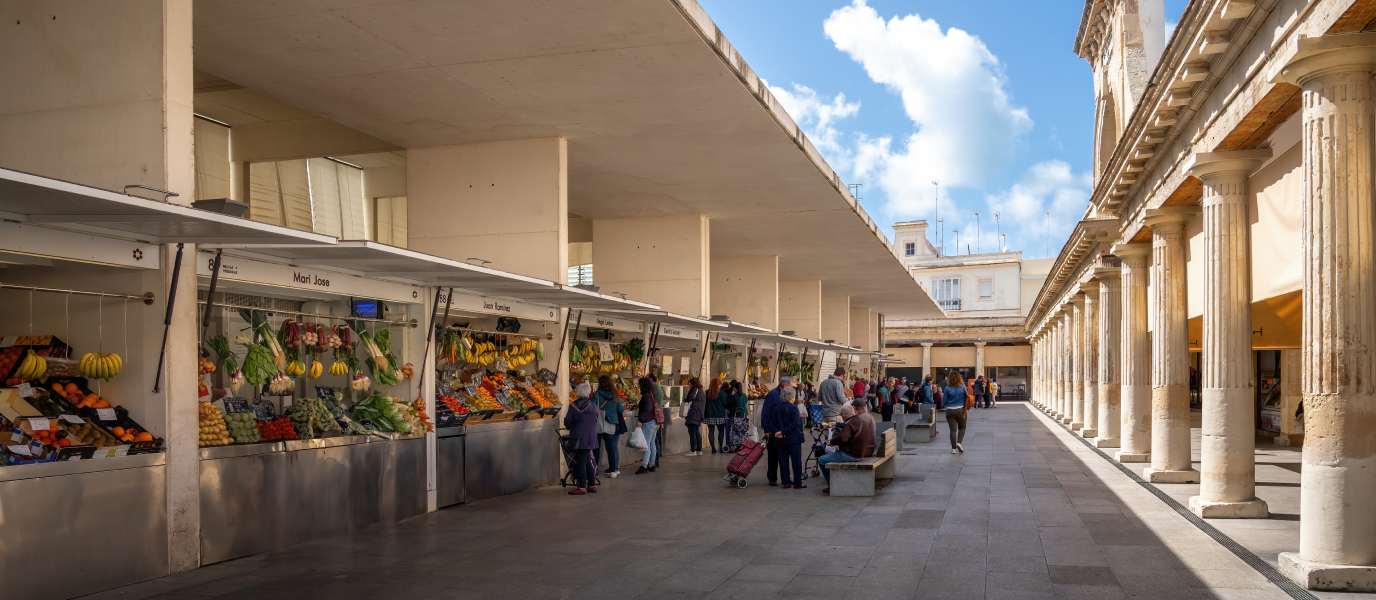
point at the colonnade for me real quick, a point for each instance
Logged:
(1138, 357)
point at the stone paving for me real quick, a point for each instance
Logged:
(1027, 512)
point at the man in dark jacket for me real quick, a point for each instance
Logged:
(787, 439)
(580, 418)
(767, 428)
(979, 389)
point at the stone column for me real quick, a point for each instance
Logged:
(1110, 329)
(1171, 460)
(1071, 360)
(1227, 486)
(927, 360)
(1135, 386)
(1337, 524)
(979, 358)
(1061, 367)
(1038, 370)
(1077, 371)
(1090, 352)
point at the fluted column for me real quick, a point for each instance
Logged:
(1338, 477)
(1171, 458)
(1068, 364)
(1057, 360)
(1227, 485)
(1110, 332)
(1090, 367)
(1135, 386)
(927, 361)
(1077, 370)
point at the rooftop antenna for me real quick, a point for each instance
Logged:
(957, 232)
(1048, 234)
(1003, 247)
(977, 249)
(936, 212)
(855, 190)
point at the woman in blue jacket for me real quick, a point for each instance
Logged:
(610, 403)
(953, 398)
(788, 437)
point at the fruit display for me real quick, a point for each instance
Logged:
(213, 429)
(339, 368)
(317, 369)
(280, 428)
(56, 437)
(456, 405)
(295, 369)
(77, 398)
(32, 367)
(131, 435)
(312, 417)
(418, 407)
(90, 434)
(95, 365)
(242, 429)
(545, 398)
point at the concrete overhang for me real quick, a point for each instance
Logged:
(662, 116)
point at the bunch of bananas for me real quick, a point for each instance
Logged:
(317, 369)
(95, 365)
(481, 353)
(339, 368)
(33, 367)
(295, 369)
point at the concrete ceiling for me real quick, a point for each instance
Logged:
(658, 123)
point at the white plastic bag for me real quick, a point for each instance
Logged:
(637, 440)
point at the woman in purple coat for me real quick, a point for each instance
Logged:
(581, 421)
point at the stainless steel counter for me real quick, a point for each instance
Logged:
(112, 511)
(510, 457)
(262, 497)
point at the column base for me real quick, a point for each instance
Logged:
(1162, 476)
(1132, 457)
(1088, 433)
(1065, 420)
(1336, 578)
(1076, 426)
(1252, 509)
(1104, 442)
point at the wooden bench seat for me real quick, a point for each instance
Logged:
(857, 478)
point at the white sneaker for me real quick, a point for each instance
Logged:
(613, 474)
(962, 448)
(953, 450)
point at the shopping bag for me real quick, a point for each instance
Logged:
(637, 440)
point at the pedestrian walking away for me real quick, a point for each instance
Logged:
(991, 393)
(832, 394)
(581, 421)
(714, 416)
(613, 425)
(771, 401)
(648, 416)
(954, 397)
(787, 424)
(695, 406)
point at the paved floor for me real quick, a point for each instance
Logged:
(1027, 512)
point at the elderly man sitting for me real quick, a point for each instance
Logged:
(853, 441)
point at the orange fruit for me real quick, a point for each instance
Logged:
(71, 388)
(144, 437)
(57, 387)
(126, 438)
(118, 431)
(102, 403)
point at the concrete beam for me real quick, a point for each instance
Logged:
(301, 138)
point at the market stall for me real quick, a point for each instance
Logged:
(84, 399)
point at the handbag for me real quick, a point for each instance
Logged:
(969, 400)
(659, 411)
(637, 440)
(603, 426)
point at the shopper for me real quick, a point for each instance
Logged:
(609, 402)
(977, 388)
(697, 406)
(832, 393)
(788, 438)
(954, 398)
(661, 431)
(581, 421)
(991, 393)
(901, 397)
(849, 441)
(715, 416)
(771, 401)
(884, 397)
(858, 390)
(648, 418)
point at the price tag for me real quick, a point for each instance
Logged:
(6, 342)
(604, 351)
(16, 436)
(327, 393)
(25, 390)
(472, 389)
(444, 389)
(106, 414)
(73, 419)
(264, 411)
(236, 405)
(39, 424)
(19, 450)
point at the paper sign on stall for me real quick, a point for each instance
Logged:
(668, 365)
(20, 451)
(25, 390)
(39, 424)
(683, 365)
(604, 351)
(106, 414)
(73, 419)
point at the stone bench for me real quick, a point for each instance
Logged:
(857, 478)
(920, 428)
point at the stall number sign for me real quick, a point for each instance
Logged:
(604, 351)
(236, 405)
(683, 365)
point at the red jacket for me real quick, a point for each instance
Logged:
(859, 389)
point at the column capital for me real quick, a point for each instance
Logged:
(980, 344)
(926, 344)
(1131, 250)
(1318, 56)
(1209, 165)
(1172, 214)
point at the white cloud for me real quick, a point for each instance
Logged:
(817, 115)
(1049, 186)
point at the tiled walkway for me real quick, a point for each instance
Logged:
(1027, 512)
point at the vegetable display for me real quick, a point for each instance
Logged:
(383, 412)
(213, 429)
(242, 428)
(311, 416)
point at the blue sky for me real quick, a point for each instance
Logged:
(985, 96)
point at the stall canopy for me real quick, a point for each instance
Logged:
(41, 200)
(734, 327)
(665, 318)
(381, 261)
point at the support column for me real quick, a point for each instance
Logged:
(800, 308)
(1090, 352)
(927, 361)
(1061, 371)
(1227, 487)
(1110, 335)
(746, 288)
(862, 329)
(979, 358)
(1068, 363)
(1337, 526)
(1135, 389)
(1053, 363)
(1171, 455)
(1077, 369)
(660, 260)
(836, 318)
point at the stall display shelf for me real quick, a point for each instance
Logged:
(298, 445)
